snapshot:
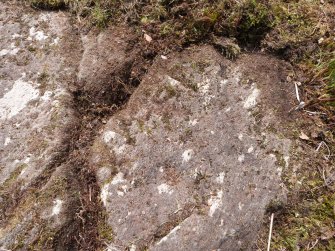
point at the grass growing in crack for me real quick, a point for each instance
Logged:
(100, 16)
(330, 78)
(49, 4)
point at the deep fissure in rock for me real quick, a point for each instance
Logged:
(94, 107)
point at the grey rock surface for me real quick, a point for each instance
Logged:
(188, 164)
(35, 115)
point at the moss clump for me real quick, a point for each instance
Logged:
(49, 4)
(105, 232)
(13, 177)
(255, 21)
(171, 91)
(306, 223)
(100, 16)
(330, 77)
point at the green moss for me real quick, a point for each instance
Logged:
(166, 29)
(45, 239)
(32, 48)
(186, 135)
(171, 91)
(100, 16)
(49, 4)
(166, 119)
(105, 231)
(140, 124)
(330, 76)
(13, 176)
(307, 222)
(58, 187)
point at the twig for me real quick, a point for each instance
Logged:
(315, 113)
(297, 92)
(319, 146)
(90, 193)
(270, 232)
(298, 107)
(313, 245)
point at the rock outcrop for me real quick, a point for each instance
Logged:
(186, 156)
(188, 164)
(35, 117)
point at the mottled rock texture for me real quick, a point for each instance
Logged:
(187, 164)
(35, 116)
(190, 162)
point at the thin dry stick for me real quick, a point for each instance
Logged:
(90, 193)
(270, 232)
(297, 92)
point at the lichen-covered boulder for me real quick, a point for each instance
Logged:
(35, 116)
(191, 162)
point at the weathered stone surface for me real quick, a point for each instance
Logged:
(188, 164)
(35, 114)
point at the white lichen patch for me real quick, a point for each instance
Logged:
(55, 41)
(119, 178)
(204, 86)
(241, 158)
(57, 207)
(44, 17)
(104, 194)
(4, 52)
(187, 155)
(27, 159)
(240, 206)
(215, 202)
(164, 188)
(120, 193)
(13, 50)
(169, 235)
(17, 98)
(119, 149)
(46, 96)
(37, 35)
(287, 159)
(250, 149)
(279, 171)
(108, 136)
(224, 82)
(220, 178)
(251, 100)
(7, 141)
(103, 174)
(16, 35)
(118, 140)
(208, 99)
(112, 247)
(23, 171)
(132, 247)
(172, 81)
(193, 122)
